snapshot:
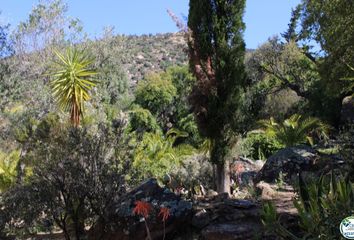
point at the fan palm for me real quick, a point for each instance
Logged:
(72, 82)
(294, 130)
(156, 155)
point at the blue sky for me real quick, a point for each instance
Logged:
(263, 18)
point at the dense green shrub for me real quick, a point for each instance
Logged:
(259, 146)
(155, 93)
(141, 120)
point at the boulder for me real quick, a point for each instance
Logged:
(347, 112)
(123, 224)
(243, 170)
(246, 230)
(288, 161)
(227, 219)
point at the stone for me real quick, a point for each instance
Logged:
(232, 231)
(347, 111)
(211, 193)
(267, 191)
(201, 219)
(122, 224)
(288, 161)
(244, 170)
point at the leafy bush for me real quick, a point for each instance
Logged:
(155, 93)
(75, 176)
(141, 121)
(259, 146)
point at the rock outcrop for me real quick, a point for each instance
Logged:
(123, 224)
(288, 161)
(228, 219)
(347, 112)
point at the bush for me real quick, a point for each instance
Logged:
(259, 146)
(76, 175)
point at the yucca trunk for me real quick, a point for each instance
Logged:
(75, 113)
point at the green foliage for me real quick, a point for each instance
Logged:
(295, 130)
(322, 205)
(8, 169)
(346, 148)
(330, 25)
(72, 81)
(141, 120)
(259, 146)
(155, 93)
(156, 155)
(217, 53)
(76, 175)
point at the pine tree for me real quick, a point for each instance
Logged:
(216, 55)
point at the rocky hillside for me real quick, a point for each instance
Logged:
(148, 53)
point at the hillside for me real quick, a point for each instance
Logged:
(138, 55)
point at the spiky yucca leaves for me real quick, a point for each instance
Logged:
(72, 82)
(295, 130)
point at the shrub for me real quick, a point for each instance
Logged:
(259, 146)
(75, 176)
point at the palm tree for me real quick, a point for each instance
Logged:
(156, 155)
(294, 130)
(72, 81)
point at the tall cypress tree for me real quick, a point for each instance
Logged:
(216, 54)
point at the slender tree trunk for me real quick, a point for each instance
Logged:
(223, 183)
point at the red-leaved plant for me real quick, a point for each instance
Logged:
(143, 209)
(164, 213)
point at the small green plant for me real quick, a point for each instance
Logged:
(280, 180)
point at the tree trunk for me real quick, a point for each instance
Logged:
(223, 183)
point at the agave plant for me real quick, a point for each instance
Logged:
(72, 82)
(295, 130)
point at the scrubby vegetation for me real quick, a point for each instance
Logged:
(84, 121)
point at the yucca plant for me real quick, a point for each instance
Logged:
(295, 130)
(72, 81)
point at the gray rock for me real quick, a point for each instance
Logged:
(232, 231)
(347, 112)
(289, 161)
(121, 223)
